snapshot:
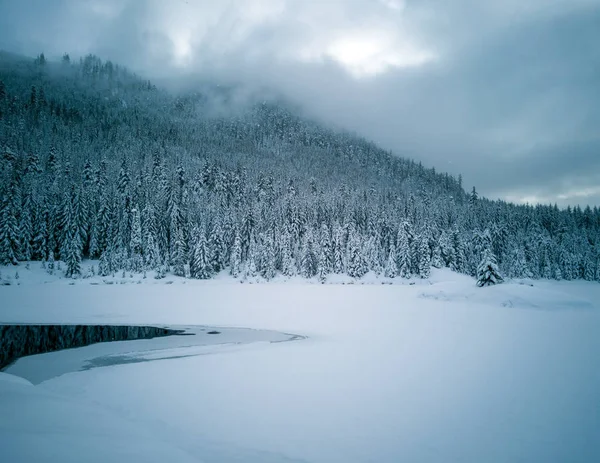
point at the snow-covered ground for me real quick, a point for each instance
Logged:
(438, 371)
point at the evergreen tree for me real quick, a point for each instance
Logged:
(135, 243)
(152, 258)
(436, 258)
(424, 257)
(216, 248)
(325, 262)
(201, 266)
(179, 259)
(267, 258)
(487, 271)
(288, 264)
(235, 260)
(72, 256)
(338, 251)
(26, 230)
(9, 233)
(357, 265)
(391, 267)
(308, 262)
(404, 255)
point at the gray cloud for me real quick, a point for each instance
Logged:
(505, 92)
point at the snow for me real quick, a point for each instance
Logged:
(438, 371)
(32, 273)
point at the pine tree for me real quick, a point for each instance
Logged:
(267, 257)
(135, 242)
(459, 263)
(26, 230)
(40, 247)
(436, 258)
(250, 271)
(357, 265)
(105, 266)
(338, 251)
(178, 256)
(424, 258)
(201, 266)
(308, 260)
(9, 233)
(216, 248)
(391, 267)
(50, 264)
(71, 249)
(372, 255)
(152, 258)
(518, 267)
(325, 262)
(235, 260)
(404, 255)
(487, 271)
(72, 256)
(288, 264)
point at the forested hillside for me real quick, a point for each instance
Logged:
(98, 163)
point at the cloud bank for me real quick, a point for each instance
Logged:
(505, 92)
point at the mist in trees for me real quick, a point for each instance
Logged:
(97, 163)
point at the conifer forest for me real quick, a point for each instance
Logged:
(98, 163)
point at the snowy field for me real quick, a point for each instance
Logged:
(438, 371)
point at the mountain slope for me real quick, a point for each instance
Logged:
(99, 163)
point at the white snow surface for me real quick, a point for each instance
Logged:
(440, 371)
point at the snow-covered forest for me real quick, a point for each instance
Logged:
(97, 163)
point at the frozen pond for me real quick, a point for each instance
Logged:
(186, 341)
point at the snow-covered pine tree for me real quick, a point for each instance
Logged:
(135, 243)
(436, 258)
(308, 260)
(487, 271)
(325, 262)
(179, 254)
(250, 271)
(373, 255)
(518, 264)
(72, 257)
(72, 242)
(404, 255)
(459, 264)
(201, 266)
(288, 263)
(40, 236)
(391, 267)
(9, 233)
(424, 257)
(357, 264)
(152, 257)
(267, 256)
(26, 229)
(235, 260)
(338, 250)
(216, 248)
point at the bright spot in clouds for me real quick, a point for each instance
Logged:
(371, 55)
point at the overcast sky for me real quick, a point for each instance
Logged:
(506, 92)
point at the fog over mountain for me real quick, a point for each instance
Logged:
(503, 92)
